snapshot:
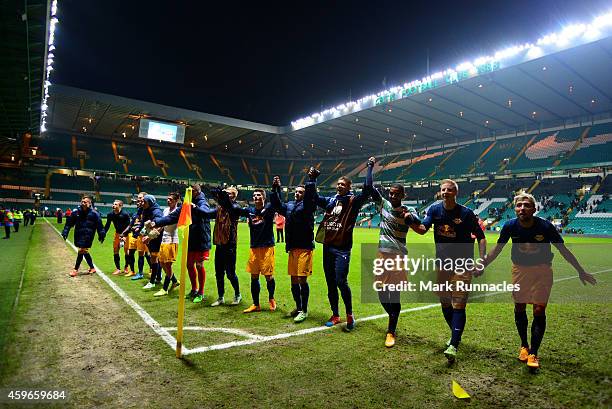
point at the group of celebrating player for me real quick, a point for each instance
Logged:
(152, 232)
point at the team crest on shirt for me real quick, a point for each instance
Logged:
(539, 237)
(257, 219)
(447, 231)
(457, 220)
(337, 209)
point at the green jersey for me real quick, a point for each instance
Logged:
(393, 228)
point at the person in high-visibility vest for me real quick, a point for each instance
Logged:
(7, 220)
(17, 219)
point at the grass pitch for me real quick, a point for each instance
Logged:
(76, 333)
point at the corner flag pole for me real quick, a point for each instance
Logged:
(183, 226)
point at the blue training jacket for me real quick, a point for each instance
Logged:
(85, 225)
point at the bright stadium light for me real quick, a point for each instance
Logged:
(49, 66)
(569, 36)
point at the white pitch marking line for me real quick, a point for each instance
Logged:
(234, 331)
(150, 321)
(323, 328)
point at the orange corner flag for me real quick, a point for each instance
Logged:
(185, 216)
(183, 225)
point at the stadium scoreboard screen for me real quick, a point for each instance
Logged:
(162, 131)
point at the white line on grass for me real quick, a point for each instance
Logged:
(323, 328)
(150, 321)
(16, 301)
(234, 331)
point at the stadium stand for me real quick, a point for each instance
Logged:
(489, 173)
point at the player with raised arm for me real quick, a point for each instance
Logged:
(532, 270)
(261, 259)
(120, 220)
(453, 226)
(336, 234)
(86, 222)
(395, 221)
(298, 217)
(199, 239)
(225, 239)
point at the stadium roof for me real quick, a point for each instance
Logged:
(23, 25)
(529, 87)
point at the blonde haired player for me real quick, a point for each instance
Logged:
(454, 225)
(532, 270)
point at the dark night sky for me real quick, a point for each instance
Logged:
(276, 62)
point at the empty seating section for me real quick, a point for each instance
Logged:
(595, 148)
(208, 170)
(570, 134)
(468, 188)
(604, 207)
(504, 151)
(394, 168)
(109, 199)
(553, 186)
(175, 165)
(539, 155)
(259, 168)
(606, 186)
(17, 177)
(231, 168)
(542, 153)
(590, 225)
(461, 161)
(57, 146)
(422, 194)
(66, 196)
(84, 183)
(462, 199)
(139, 161)
(505, 187)
(117, 185)
(425, 164)
(15, 194)
(99, 154)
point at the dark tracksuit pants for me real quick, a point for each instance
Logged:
(336, 266)
(225, 264)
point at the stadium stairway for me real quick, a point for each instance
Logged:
(440, 167)
(596, 186)
(481, 157)
(584, 133)
(223, 170)
(486, 189)
(523, 149)
(157, 163)
(535, 184)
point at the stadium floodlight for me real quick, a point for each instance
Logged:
(569, 36)
(49, 66)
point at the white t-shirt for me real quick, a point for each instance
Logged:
(171, 231)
